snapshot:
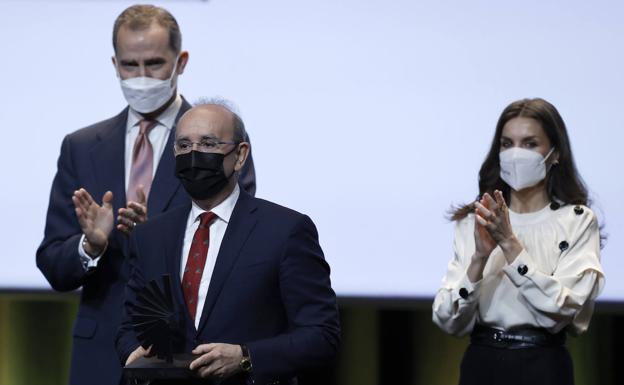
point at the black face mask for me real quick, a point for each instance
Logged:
(202, 173)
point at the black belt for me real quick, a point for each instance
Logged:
(515, 339)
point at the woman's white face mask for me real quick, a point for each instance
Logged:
(145, 94)
(521, 168)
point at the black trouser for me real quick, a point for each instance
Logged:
(487, 365)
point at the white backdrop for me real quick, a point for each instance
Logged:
(373, 117)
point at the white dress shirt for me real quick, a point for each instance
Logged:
(158, 136)
(223, 211)
(551, 284)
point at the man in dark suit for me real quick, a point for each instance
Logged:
(128, 161)
(248, 276)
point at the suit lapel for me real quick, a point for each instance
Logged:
(108, 158)
(240, 226)
(165, 183)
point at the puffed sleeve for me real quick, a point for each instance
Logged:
(455, 304)
(566, 295)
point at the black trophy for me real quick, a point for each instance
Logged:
(156, 323)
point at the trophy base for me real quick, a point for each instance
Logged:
(152, 368)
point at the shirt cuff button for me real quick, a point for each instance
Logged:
(523, 269)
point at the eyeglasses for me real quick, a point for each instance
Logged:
(205, 145)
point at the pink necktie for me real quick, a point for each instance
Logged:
(142, 161)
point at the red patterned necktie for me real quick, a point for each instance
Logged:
(142, 161)
(195, 263)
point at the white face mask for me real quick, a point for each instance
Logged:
(521, 168)
(146, 94)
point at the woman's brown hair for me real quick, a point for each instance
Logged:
(563, 183)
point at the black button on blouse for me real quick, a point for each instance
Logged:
(523, 269)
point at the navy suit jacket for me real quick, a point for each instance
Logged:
(270, 288)
(93, 158)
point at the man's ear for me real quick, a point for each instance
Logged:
(182, 60)
(243, 154)
(114, 61)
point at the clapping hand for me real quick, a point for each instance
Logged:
(96, 222)
(133, 214)
(493, 216)
(484, 243)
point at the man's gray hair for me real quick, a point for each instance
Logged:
(240, 135)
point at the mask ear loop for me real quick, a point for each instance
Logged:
(553, 163)
(237, 148)
(175, 70)
(117, 69)
(548, 155)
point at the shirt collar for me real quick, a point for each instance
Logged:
(223, 210)
(166, 118)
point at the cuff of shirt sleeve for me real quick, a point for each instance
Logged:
(465, 290)
(88, 263)
(520, 269)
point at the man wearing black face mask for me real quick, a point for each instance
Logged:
(249, 277)
(123, 164)
(202, 173)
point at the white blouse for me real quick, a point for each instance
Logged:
(551, 284)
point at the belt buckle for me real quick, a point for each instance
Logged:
(499, 336)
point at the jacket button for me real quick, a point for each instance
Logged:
(523, 269)
(563, 246)
(578, 210)
(554, 206)
(463, 293)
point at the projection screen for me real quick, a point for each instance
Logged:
(372, 117)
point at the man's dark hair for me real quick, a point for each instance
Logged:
(139, 17)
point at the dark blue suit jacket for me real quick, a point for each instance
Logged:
(270, 288)
(93, 158)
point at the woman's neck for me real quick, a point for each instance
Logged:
(530, 199)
